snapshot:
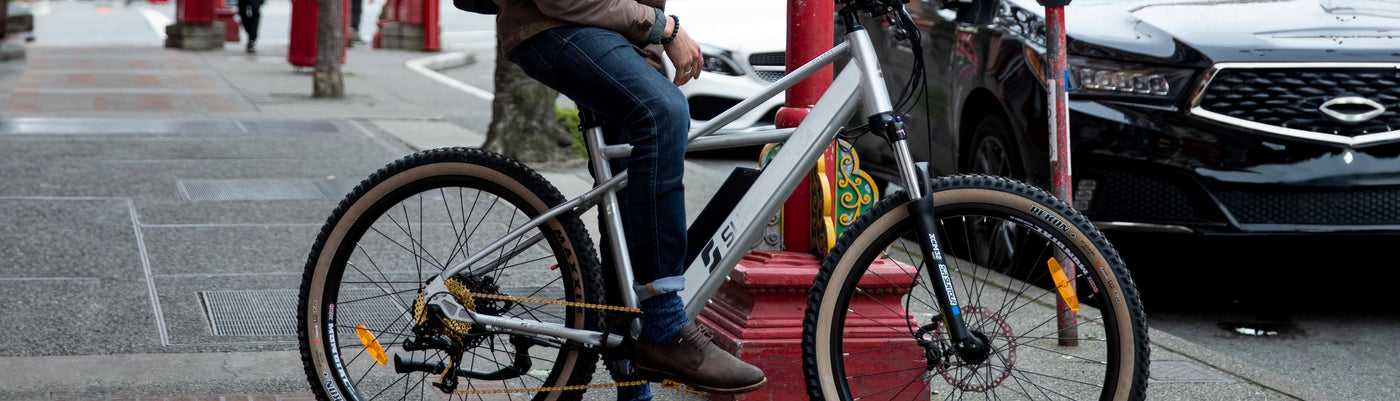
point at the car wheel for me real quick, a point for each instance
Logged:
(992, 150)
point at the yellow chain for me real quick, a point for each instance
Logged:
(664, 384)
(552, 389)
(556, 302)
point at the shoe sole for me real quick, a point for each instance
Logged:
(658, 376)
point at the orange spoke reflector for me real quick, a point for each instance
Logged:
(1062, 284)
(372, 345)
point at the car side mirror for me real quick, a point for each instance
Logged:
(974, 12)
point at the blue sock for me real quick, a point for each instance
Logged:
(662, 317)
(634, 393)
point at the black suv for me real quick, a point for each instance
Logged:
(1186, 116)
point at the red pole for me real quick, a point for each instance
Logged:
(757, 313)
(809, 27)
(431, 42)
(1061, 184)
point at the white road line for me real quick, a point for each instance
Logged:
(426, 66)
(157, 20)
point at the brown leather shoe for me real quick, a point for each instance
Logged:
(692, 358)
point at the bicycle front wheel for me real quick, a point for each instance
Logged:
(1033, 278)
(360, 293)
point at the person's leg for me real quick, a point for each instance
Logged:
(599, 70)
(249, 13)
(355, 8)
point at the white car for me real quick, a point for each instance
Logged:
(744, 43)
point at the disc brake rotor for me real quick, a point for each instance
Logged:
(990, 373)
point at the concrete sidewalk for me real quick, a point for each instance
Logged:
(395, 99)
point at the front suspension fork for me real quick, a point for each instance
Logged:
(918, 180)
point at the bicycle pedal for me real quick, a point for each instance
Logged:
(668, 383)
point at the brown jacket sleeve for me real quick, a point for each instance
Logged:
(631, 18)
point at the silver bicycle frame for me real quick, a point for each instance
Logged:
(861, 81)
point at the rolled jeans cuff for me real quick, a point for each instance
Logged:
(660, 286)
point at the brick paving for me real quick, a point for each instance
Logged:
(119, 80)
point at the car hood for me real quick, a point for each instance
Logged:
(1239, 30)
(753, 26)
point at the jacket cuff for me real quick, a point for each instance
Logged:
(658, 29)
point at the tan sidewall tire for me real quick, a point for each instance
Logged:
(867, 236)
(314, 325)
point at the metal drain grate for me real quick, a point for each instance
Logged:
(251, 313)
(273, 312)
(1185, 372)
(264, 189)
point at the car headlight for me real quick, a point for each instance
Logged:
(717, 61)
(1099, 77)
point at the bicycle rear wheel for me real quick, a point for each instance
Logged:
(873, 330)
(359, 299)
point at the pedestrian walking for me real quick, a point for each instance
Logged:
(249, 12)
(355, 10)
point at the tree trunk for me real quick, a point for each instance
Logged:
(330, 30)
(523, 123)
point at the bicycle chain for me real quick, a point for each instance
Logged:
(468, 300)
(549, 389)
(557, 302)
(664, 384)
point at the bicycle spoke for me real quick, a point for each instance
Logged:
(998, 260)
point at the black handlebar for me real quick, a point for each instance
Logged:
(850, 12)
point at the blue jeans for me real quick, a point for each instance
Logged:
(599, 70)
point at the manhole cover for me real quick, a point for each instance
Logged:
(1185, 372)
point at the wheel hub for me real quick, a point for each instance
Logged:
(972, 370)
(464, 290)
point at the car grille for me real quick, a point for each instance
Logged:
(1135, 197)
(1144, 195)
(770, 66)
(1288, 99)
(1319, 207)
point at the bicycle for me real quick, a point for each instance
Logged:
(480, 280)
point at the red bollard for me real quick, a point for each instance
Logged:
(224, 14)
(409, 25)
(195, 27)
(194, 11)
(301, 51)
(431, 30)
(411, 11)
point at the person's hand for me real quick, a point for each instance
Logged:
(684, 54)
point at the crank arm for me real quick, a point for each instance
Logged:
(452, 310)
